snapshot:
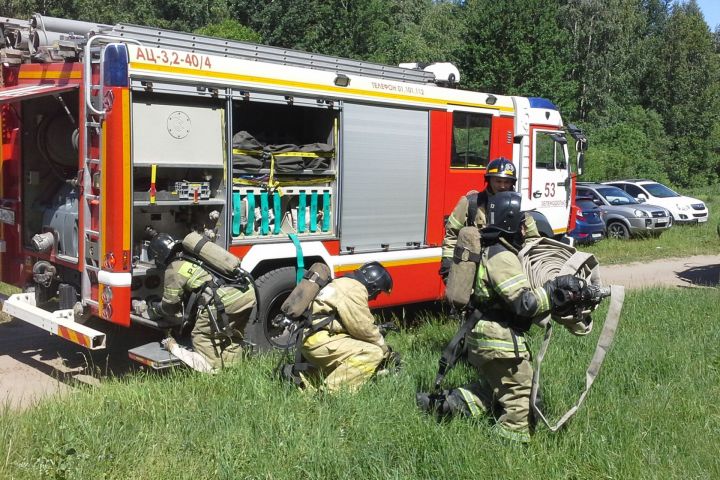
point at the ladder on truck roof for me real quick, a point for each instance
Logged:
(156, 37)
(58, 33)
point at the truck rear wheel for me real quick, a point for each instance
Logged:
(272, 289)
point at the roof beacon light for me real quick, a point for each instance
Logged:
(116, 65)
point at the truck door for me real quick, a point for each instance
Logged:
(384, 178)
(549, 177)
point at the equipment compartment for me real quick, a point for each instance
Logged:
(284, 166)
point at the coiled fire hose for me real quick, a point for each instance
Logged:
(543, 260)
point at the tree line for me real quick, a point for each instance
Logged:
(642, 77)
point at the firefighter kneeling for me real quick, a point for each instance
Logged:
(504, 305)
(204, 282)
(343, 343)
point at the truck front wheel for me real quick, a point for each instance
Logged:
(272, 289)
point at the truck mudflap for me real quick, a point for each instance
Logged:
(60, 322)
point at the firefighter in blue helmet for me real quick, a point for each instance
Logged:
(500, 176)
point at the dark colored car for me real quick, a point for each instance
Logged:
(589, 225)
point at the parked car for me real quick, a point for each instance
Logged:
(624, 216)
(684, 209)
(589, 225)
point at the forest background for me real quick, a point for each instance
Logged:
(642, 77)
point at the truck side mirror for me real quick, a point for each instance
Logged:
(642, 198)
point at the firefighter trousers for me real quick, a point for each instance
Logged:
(220, 351)
(344, 361)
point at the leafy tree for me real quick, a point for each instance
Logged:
(231, 29)
(683, 87)
(519, 48)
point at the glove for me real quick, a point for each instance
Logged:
(563, 291)
(140, 308)
(445, 265)
(569, 283)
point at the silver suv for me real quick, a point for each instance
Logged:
(624, 216)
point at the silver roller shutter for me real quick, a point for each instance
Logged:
(384, 177)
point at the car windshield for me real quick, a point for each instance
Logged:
(615, 196)
(659, 190)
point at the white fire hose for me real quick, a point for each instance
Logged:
(544, 260)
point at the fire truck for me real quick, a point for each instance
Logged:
(283, 157)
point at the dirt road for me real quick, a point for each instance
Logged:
(34, 364)
(701, 270)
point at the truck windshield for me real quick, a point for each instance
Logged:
(615, 196)
(659, 190)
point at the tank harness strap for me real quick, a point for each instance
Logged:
(474, 201)
(454, 349)
(463, 254)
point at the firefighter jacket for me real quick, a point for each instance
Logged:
(508, 302)
(458, 219)
(345, 300)
(182, 277)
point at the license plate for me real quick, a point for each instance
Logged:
(597, 235)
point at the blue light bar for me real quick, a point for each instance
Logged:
(115, 71)
(537, 102)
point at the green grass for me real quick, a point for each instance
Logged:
(678, 241)
(653, 413)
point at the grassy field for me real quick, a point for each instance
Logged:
(679, 241)
(653, 413)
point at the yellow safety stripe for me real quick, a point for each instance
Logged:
(197, 278)
(282, 183)
(240, 151)
(505, 432)
(500, 345)
(455, 223)
(173, 291)
(229, 296)
(543, 300)
(469, 399)
(510, 282)
(186, 270)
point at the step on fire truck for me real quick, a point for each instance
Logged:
(109, 131)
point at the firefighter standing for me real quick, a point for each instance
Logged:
(221, 311)
(500, 176)
(347, 348)
(496, 345)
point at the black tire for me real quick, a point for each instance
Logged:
(618, 230)
(272, 289)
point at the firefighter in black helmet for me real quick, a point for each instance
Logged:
(496, 345)
(220, 310)
(344, 344)
(500, 176)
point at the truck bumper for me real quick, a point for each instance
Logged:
(60, 322)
